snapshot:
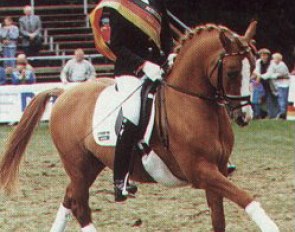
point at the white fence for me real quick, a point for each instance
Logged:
(15, 98)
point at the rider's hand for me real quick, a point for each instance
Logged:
(171, 59)
(153, 71)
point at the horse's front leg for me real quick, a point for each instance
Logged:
(207, 176)
(215, 202)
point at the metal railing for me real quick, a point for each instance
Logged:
(62, 58)
(85, 6)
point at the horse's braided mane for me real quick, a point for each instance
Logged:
(198, 30)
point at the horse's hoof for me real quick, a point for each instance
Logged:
(131, 188)
(231, 168)
(119, 197)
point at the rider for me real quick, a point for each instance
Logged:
(140, 42)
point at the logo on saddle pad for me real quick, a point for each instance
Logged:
(103, 136)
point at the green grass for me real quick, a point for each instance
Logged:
(264, 155)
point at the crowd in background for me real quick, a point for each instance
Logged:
(269, 81)
(28, 36)
(270, 86)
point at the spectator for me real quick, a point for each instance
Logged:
(262, 65)
(30, 29)
(78, 69)
(23, 74)
(9, 35)
(2, 76)
(279, 74)
(256, 98)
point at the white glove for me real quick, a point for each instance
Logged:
(153, 71)
(171, 59)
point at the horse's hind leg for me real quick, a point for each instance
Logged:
(82, 170)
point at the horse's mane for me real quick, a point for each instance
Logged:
(197, 31)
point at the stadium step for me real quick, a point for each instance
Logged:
(18, 3)
(77, 44)
(66, 37)
(63, 24)
(68, 51)
(98, 68)
(69, 31)
(62, 17)
(71, 51)
(56, 2)
(45, 9)
(51, 17)
(52, 74)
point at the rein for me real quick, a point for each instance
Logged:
(221, 98)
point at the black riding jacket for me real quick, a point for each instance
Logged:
(133, 47)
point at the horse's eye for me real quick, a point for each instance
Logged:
(233, 74)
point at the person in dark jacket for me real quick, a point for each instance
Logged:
(31, 31)
(137, 56)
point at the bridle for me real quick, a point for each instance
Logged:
(220, 97)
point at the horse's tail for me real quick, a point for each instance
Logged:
(20, 137)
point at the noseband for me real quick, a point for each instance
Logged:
(220, 96)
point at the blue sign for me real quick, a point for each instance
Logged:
(26, 97)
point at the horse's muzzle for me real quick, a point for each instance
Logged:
(242, 121)
(242, 118)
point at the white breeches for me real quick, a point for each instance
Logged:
(129, 89)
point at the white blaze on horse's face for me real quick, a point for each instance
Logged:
(245, 88)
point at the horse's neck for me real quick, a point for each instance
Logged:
(191, 68)
(181, 122)
(191, 73)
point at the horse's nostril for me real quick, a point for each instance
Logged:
(241, 121)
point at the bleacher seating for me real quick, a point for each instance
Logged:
(65, 28)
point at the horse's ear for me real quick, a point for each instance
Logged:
(251, 31)
(226, 42)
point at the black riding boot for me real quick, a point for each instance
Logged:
(126, 142)
(127, 139)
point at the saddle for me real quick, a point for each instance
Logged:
(107, 121)
(108, 117)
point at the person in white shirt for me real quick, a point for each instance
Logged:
(78, 69)
(278, 73)
(262, 65)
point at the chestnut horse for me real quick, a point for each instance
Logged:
(205, 77)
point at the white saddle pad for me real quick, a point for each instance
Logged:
(107, 108)
(106, 111)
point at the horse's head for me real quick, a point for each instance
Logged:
(231, 74)
(214, 64)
